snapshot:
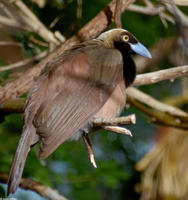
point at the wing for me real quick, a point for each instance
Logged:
(78, 85)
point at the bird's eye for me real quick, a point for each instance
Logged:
(126, 38)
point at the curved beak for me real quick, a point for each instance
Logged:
(140, 49)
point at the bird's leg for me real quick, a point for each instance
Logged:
(89, 150)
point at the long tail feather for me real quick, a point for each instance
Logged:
(20, 156)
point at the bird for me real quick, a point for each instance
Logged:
(85, 82)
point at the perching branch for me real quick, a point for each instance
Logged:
(131, 119)
(39, 188)
(109, 125)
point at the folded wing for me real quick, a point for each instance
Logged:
(78, 86)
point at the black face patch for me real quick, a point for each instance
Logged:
(123, 45)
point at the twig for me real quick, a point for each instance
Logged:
(32, 21)
(4, 21)
(9, 43)
(148, 10)
(24, 62)
(117, 16)
(38, 42)
(39, 188)
(13, 19)
(166, 74)
(79, 9)
(172, 8)
(118, 129)
(90, 30)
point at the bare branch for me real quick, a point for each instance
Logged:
(153, 103)
(39, 188)
(181, 2)
(160, 117)
(172, 8)
(166, 74)
(117, 16)
(9, 43)
(158, 112)
(32, 21)
(13, 106)
(4, 21)
(118, 129)
(12, 16)
(151, 10)
(24, 62)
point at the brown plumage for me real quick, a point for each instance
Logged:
(85, 82)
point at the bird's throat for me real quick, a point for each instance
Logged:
(129, 69)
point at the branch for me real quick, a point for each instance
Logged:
(36, 26)
(90, 30)
(164, 114)
(13, 19)
(6, 22)
(108, 124)
(150, 9)
(161, 75)
(172, 8)
(13, 106)
(117, 129)
(10, 43)
(39, 188)
(131, 119)
(117, 17)
(181, 2)
(24, 62)
(153, 103)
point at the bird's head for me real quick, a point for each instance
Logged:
(125, 42)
